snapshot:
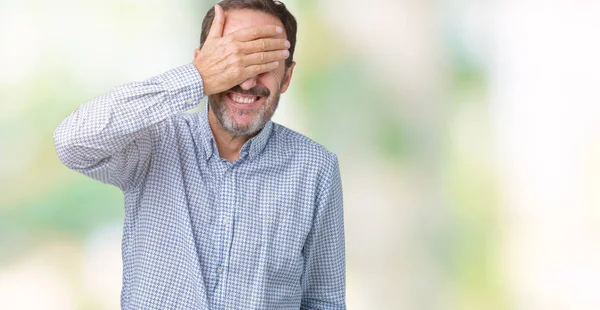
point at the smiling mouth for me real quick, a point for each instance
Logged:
(243, 99)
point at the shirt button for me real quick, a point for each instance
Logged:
(228, 173)
(219, 270)
(226, 221)
(190, 101)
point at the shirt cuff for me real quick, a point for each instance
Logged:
(184, 85)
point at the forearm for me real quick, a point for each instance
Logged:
(110, 137)
(107, 124)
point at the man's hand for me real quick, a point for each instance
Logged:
(227, 61)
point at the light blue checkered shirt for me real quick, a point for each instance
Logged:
(263, 232)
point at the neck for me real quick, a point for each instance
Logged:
(229, 145)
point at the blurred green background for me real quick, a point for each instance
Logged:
(468, 135)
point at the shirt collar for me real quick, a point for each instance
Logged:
(252, 147)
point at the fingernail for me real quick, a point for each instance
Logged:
(279, 30)
(285, 53)
(275, 63)
(287, 44)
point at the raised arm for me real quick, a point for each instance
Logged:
(111, 137)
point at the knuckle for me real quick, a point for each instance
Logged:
(264, 45)
(263, 57)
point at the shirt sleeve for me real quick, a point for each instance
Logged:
(110, 138)
(324, 277)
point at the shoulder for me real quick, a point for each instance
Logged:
(190, 120)
(179, 128)
(182, 123)
(302, 149)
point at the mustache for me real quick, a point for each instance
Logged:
(255, 91)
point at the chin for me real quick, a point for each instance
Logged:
(242, 125)
(243, 119)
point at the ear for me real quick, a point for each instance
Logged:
(196, 52)
(288, 77)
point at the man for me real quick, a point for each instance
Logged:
(224, 209)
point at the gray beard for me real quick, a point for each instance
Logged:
(264, 114)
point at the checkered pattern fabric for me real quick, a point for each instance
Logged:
(263, 232)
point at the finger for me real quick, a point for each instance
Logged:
(265, 45)
(266, 57)
(257, 32)
(255, 70)
(216, 29)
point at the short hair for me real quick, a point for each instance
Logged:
(272, 7)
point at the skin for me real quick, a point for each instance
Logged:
(243, 56)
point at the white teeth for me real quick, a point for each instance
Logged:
(242, 99)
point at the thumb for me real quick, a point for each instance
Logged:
(216, 29)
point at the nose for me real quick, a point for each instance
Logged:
(249, 83)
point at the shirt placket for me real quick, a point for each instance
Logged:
(226, 221)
